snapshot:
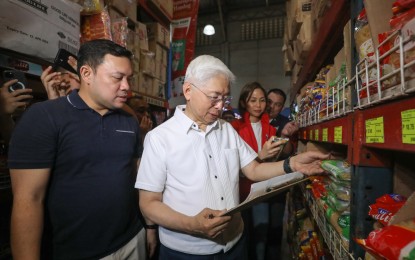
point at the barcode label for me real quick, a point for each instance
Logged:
(67, 47)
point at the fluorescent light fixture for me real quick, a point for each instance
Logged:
(209, 29)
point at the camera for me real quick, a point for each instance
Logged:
(15, 74)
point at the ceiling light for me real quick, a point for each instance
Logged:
(209, 29)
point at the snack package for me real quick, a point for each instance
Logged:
(366, 50)
(338, 168)
(385, 207)
(394, 242)
(96, 26)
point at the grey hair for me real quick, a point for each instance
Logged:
(205, 67)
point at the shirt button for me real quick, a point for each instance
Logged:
(221, 198)
(210, 156)
(216, 176)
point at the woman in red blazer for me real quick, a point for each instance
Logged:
(256, 131)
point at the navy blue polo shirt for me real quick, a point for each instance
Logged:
(279, 122)
(91, 199)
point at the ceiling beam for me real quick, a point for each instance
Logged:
(222, 23)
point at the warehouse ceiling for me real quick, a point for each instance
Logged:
(222, 12)
(207, 7)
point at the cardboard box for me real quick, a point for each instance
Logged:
(126, 7)
(157, 49)
(159, 89)
(40, 28)
(136, 65)
(338, 61)
(406, 212)
(145, 84)
(148, 63)
(297, 11)
(305, 36)
(347, 36)
(161, 71)
(378, 14)
(159, 33)
(164, 6)
(141, 30)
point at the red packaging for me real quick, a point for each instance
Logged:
(392, 242)
(385, 207)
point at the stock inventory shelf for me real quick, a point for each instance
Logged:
(337, 246)
(372, 133)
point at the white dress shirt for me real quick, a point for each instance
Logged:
(194, 170)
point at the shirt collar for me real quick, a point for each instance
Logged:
(186, 124)
(76, 101)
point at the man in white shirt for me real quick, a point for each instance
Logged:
(190, 166)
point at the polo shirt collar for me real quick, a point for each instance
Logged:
(76, 101)
(186, 124)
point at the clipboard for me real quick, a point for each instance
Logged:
(263, 190)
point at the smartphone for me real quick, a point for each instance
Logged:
(61, 61)
(276, 139)
(15, 74)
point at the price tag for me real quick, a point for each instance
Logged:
(408, 126)
(311, 134)
(316, 134)
(338, 134)
(374, 130)
(325, 135)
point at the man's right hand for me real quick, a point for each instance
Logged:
(209, 223)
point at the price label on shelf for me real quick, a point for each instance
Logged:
(316, 134)
(325, 135)
(374, 130)
(408, 126)
(338, 134)
(311, 134)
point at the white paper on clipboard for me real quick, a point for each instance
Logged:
(266, 189)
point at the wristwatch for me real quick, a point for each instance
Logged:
(286, 165)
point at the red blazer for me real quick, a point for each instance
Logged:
(244, 129)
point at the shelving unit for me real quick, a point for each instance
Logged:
(148, 11)
(370, 132)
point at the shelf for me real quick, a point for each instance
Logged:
(150, 8)
(382, 128)
(336, 245)
(337, 130)
(152, 100)
(327, 42)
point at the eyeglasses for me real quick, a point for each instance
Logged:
(215, 100)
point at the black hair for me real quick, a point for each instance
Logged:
(246, 94)
(278, 92)
(92, 53)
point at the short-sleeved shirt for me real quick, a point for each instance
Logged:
(194, 170)
(91, 200)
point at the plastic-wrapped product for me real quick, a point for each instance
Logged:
(97, 26)
(338, 168)
(342, 192)
(394, 242)
(337, 204)
(385, 207)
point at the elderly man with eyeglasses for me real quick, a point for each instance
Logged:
(189, 171)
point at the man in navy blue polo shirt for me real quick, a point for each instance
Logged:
(73, 161)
